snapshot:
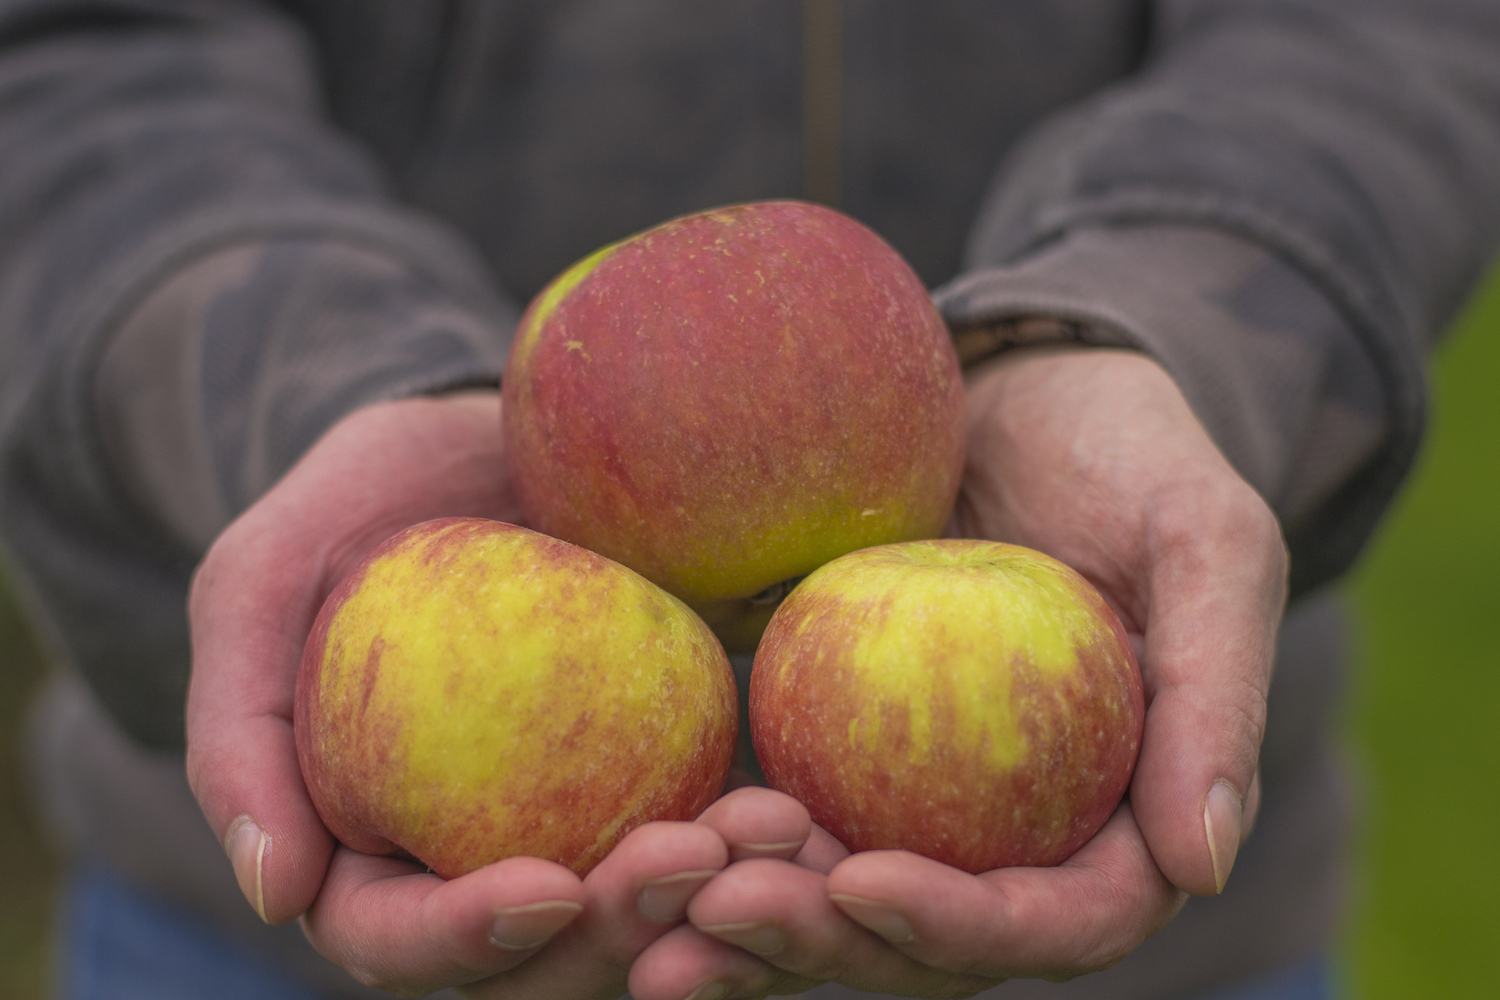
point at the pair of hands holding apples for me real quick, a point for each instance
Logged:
(1091, 455)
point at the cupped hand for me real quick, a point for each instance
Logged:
(517, 927)
(895, 922)
(522, 927)
(1094, 457)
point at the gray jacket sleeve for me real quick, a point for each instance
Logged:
(141, 138)
(1348, 156)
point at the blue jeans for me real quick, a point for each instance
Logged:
(118, 943)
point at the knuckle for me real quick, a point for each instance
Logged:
(1210, 509)
(1247, 715)
(1237, 715)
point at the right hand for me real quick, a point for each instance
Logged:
(1095, 457)
(522, 926)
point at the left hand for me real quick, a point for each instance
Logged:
(1094, 457)
(522, 928)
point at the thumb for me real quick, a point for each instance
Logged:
(1217, 588)
(254, 599)
(242, 755)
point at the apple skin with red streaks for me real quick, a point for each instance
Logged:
(474, 690)
(729, 400)
(975, 702)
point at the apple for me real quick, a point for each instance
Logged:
(729, 400)
(974, 702)
(474, 690)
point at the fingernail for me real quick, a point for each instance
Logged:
(761, 939)
(1221, 820)
(710, 991)
(246, 844)
(879, 917)
(665, 899)
(739, 852)
(522, 927)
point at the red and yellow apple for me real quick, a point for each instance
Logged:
(974, 702)
(475, 690)
(729, 400)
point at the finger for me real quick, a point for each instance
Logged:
(645, 884)
(241, 752)
(1080, 916)
(1218, 584)
(782, 913)
(395, 926)
(758, 822)
(686, 964)
(634, 896)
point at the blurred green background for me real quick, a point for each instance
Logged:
(28, 871)
(1422, 718)
(1425, 714)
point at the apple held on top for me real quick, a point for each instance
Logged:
(727, 401)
